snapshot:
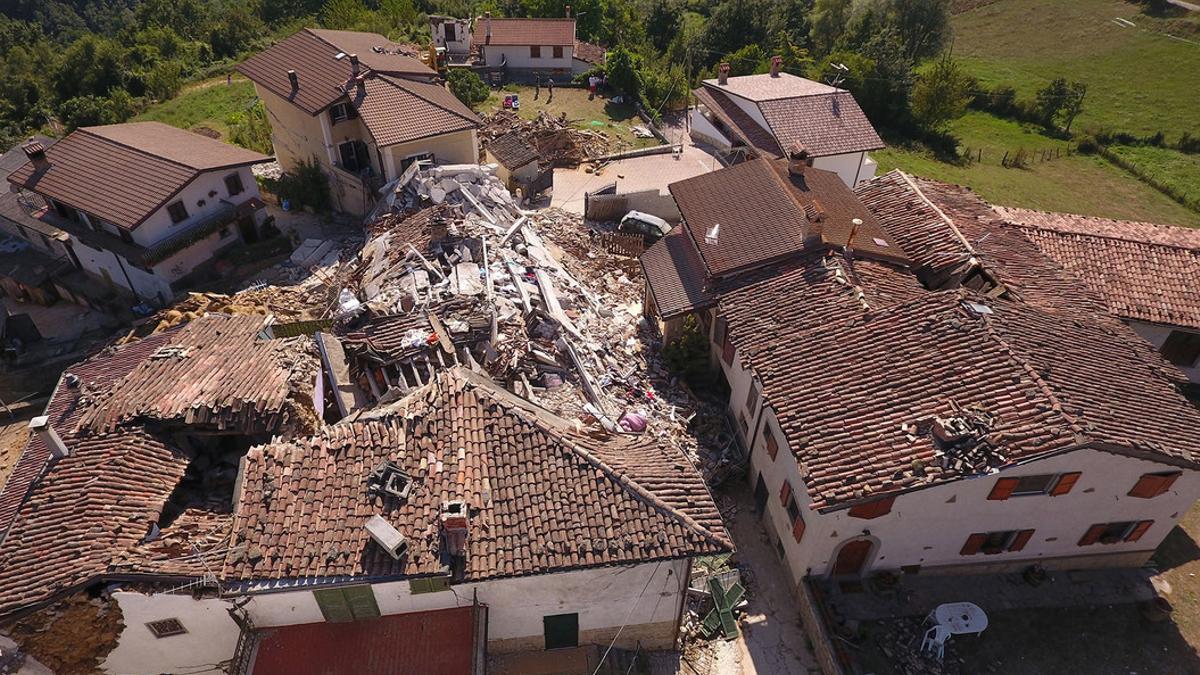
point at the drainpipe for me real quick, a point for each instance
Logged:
(126, 274)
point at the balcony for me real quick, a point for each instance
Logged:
(224, 214)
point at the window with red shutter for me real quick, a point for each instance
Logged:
(1138, 530)
(798, 529)
(1020, 540)
(785, 492)
(873, 509)
(1003, 489)
(772, 444)
(727, 352)
(1151, 485)
(974, 543)
(1092, 535)
(1065, 483)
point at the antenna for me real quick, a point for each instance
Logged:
(839, 75)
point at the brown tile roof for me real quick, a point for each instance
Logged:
(321, 77)
(123, 173)
(590, 53)
(1142, 271)
(830, 124)
(853, 392)
(925, 233)
(743, 126)
(764, 87)
(541, 496)
(676, 275)
(511, 150)
(12, 207)
(215, 373)
(397, 110)
(377, 52)
(766, 213)
(517, 32)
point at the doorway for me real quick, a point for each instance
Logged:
(852, 557)
(760, 495)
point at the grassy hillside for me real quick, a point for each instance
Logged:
(1139, 78)
(1172, 171)
(1077, 183)
(205, 105)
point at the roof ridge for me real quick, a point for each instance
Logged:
(942, 214)
(1005, 220)
(88, 130)
(395, 81)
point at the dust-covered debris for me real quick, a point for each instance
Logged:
(72, 636)
(557, 143)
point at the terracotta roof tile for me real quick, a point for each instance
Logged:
(764, 87)
(124, 173)
(511, 150)
(1142, 271)
(676, 275)
(590, 53)
(517, 32)
(397, 110)
(830, 124)
(739, 123)
(541, 496)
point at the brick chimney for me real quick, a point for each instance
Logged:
(568, 11)
(797, 160)
(723, 74)
(41, 426)
(36, 152)
(354, 65)
(454, 527)
(294, 79)
(487, 26)
(776, 64)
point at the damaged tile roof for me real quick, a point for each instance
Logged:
(518, 32)
(873, 383)
(398, 110)
(589, 53)
(322, 78)
(1142, 271)
(511, 150)
(821, 119)
(123, 173)
(542, 497)
(766, 213)
(675, 275)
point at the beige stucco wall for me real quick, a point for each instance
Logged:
(459, 147)
(1156, 334)
(518, 57)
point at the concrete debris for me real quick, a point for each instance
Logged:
(557, 143)
(72, 636)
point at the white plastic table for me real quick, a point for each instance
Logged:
(961, 618)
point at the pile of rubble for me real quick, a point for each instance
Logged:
(557, 142)
(900, 640)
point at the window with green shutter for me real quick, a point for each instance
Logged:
(349, 603)
(428, 585)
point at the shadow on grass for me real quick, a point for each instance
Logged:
(1177, 549)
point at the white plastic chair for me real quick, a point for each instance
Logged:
(935, 638)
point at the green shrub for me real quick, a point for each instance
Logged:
(306, 186)
(687, 355)
(467, 86)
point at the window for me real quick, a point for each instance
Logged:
(722, 327)
(448, 32)
(991, 543)
(1038, 484)
(1151, 485)
(752, 398)
(166, 628)
(342, 112)
(535, 52)
(727, 350)
(233, 184)
(772, 444)
(428, 585)
(1181, 348)
(1113, 533)
(873, 509)
(349, 603)
(427, 157)
(743, 424)
(558, 51)
(785, 493)
(354, 156)
(561, 630)
(794, 517)
(177, 211)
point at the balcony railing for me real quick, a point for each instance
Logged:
(225, 214)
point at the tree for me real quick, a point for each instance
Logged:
(1060, 101)
(734, 24)
(941, 93)
(689, 48)
(790, 19)
(622, 67)
(828, 20)
(749, 60)
(344, 14)
(467, 86)
(92, 65)
(923, 25)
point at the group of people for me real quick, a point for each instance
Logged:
(594, 84)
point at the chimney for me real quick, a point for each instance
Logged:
(723, 74)
(389, 538)
(568, 11)
(487, 25)
(354, 64)
(797, 160)
(776, 64)
(454, 527)
(294, 79)
(36, 152)
(41, 426)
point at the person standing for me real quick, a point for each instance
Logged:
(550, 90)
(537, 86)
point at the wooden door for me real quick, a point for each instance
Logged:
(852, 557)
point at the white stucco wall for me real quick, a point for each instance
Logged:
(159, 226)
(928, 527)
(459, 147)
(518, 57)
(705, 132)
(850, 167)
(1156, 334)
(104, 263)
(210, 639)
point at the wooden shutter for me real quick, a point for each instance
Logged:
(1065, 483)
(874, 509)
(973, 544)
(1138, 530)
(361, 600)
(784, 493)
(1154, 484)
(333, 605)
(727, 351)
(1092, 535)
(798, 529)
(772, 444)
(1003, 489)
(1020, 540)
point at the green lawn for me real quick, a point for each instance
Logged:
(1174, 171)
(204, 105)
(1139, 79)
(599, 114)
(1084, 184)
